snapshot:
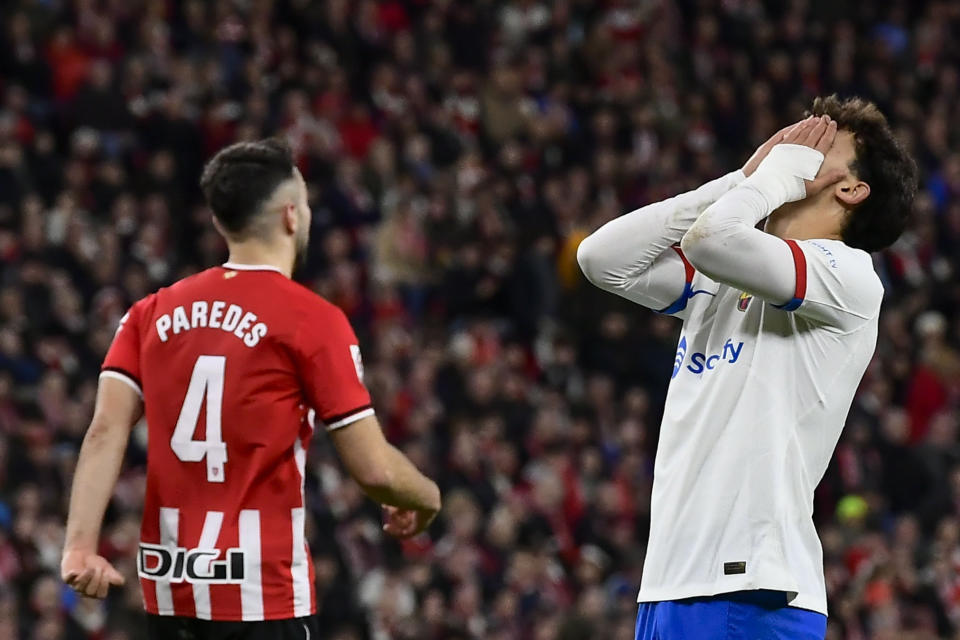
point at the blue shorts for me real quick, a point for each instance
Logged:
(743, 615)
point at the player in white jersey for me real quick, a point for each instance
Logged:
(779, 325)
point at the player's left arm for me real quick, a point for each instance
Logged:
(332, 371)
(118, 407)
(725, 244)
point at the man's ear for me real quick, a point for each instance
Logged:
(289, 218)
(218, 226)
(851, 191)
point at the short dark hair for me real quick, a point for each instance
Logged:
(240, 178)
(883, 163)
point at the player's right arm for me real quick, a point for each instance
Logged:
(332, 370)
(806, 277)
(636, 255)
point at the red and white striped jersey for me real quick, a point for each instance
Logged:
(232, 364)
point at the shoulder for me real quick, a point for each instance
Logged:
(308, 302)
(318, 323)
(140, 309)
(831, 262)
(841, 258)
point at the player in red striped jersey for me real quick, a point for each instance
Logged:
(233, 368)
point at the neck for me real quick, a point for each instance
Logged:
(805, 220)
(253, 252)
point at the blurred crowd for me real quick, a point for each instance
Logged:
(456, 152)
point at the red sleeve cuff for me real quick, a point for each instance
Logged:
(800, 291)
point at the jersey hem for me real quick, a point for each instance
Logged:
(809, 603)
(276, 615)
(801, 601)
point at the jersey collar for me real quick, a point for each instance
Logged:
(235, 266)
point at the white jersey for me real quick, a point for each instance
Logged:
(755, 407)
(776, 336)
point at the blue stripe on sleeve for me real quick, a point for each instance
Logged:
(680, 303)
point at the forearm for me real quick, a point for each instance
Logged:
(381, 470)
(724, 243)
(98, 466)
(726, 247)
(618, 253)
(402, 485)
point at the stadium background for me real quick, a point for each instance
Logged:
(456, 153)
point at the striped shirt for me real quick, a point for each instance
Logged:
(236, 365)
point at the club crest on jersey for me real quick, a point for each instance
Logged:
(744, 301)
(177, 564)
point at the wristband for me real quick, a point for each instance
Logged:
(780, 176)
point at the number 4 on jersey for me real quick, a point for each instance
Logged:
(206, 385)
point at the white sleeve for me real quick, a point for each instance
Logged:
(724, 244)
(635, 256)
(836, 285)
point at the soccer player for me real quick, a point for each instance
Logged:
(778, 327)
(233, 368)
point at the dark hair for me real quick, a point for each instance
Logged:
(240, 178)
(883, 163)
